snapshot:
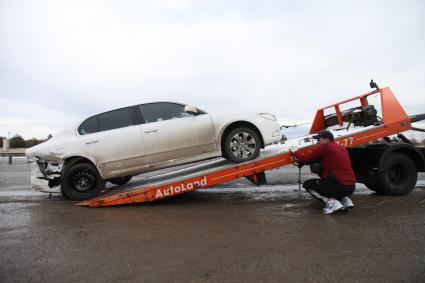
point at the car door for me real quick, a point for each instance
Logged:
(114, 139)
(170, 132)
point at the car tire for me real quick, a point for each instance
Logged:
(81, 181)
(120, 180)
(398, 175)
(241, 144)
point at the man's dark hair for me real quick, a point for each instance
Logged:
(324, 135)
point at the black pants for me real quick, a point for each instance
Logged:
(323, 189)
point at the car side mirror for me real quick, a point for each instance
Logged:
(190, 110)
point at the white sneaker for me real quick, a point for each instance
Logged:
(347, 203)
(331, 206)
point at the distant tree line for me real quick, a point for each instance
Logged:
(17, 141)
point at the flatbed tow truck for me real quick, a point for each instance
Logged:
(387, 168)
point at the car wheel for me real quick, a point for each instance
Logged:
(120, 180)
(81, 181)
(241, 144)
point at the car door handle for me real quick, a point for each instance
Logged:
(151, 131)
(93, 141)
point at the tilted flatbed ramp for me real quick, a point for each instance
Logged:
(394, 121)
(190, 179)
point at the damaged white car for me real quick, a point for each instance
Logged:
(116, 145)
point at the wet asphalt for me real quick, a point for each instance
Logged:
(232, 233)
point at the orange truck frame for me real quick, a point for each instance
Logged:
(387, 168)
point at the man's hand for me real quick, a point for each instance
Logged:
(295, 161)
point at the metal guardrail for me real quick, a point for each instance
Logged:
(11, 152)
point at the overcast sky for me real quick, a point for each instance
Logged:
(61, 61)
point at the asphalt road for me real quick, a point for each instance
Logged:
(235, 233)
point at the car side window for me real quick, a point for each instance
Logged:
(88, 126)
(161, 111)
(116, 119)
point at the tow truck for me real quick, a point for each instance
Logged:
(388, 168)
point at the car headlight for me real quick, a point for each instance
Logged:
(31, 158)
(268, 116)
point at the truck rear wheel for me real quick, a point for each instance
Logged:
(398, 175)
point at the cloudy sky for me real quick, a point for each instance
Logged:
(61, 61)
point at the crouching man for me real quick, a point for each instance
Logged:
(337, 180)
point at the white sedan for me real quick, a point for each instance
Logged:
(115, 145)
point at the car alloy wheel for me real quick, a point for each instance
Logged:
(242, 145)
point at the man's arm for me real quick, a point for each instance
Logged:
(312, 157)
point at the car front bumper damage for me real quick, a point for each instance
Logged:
(46, 176)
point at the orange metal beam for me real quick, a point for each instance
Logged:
(354, 98)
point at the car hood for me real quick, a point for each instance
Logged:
(236, 116)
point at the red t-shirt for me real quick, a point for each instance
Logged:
(335, 162)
